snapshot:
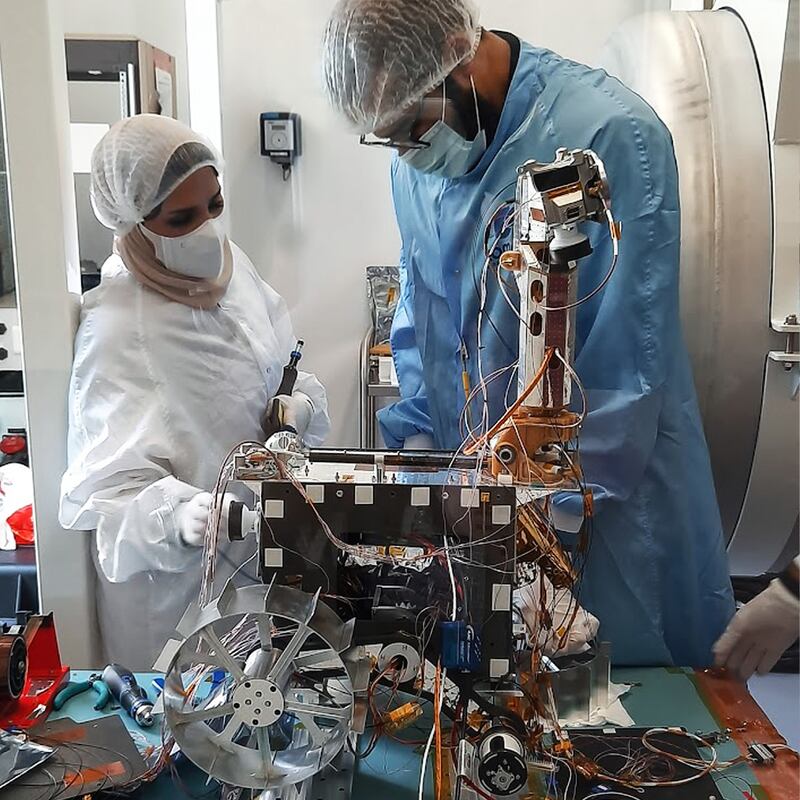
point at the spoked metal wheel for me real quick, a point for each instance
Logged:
(257, 694)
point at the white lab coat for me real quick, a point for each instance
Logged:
(159, 394)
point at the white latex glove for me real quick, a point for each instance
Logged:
(192, 516)
(760, 633)
(293, 411)
(560, 604)
(419, 441)
(564, 520)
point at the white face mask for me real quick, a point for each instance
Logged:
(198, 254)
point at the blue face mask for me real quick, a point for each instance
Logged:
(448, 154)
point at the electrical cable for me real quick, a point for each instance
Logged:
(451, 553)
(488, 254)
(427, 751)
(519, 401)
(437, 724)
(211, 540)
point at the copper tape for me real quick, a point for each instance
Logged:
(13, 666)
(732, 706)
(534, 536)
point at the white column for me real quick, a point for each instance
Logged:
(202, 47)
(34, 86)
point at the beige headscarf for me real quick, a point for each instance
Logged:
(139, 256)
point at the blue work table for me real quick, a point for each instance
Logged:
(659, 697)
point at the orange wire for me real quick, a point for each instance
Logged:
(437, 726)
(517, 403)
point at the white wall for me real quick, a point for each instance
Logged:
(312, 237)
(161, 23)
(36, 117)
(12, 413)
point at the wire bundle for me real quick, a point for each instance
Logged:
(455, 551)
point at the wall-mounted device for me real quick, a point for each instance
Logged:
(281, 140)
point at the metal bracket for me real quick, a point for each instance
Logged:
(791, 353)
(789, 359)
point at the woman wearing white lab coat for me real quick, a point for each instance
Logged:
(179, 353)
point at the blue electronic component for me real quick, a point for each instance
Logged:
(461, 647)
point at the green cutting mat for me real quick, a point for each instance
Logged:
(659, 697)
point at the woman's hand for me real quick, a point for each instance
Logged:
(192, 518)
(288, 412)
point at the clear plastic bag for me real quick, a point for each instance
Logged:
(383, 290)
(19, 756)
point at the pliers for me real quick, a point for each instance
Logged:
(74, 688)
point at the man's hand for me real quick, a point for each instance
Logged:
(760, 633)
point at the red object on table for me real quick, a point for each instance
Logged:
(21, 524)
(45, 676)
(12, 444)
(734, 707)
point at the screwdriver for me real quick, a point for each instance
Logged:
(286, 388)
(127, 692)
(290, 370)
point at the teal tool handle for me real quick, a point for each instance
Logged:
(70, 691)
(103, 695)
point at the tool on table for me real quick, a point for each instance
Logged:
(74, 688)
(127, 692)
(286, 388)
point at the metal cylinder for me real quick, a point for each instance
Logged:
(13, 666)
(699, 72)
(501, 763)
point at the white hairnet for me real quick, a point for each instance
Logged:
(139, 162)
(380, 56)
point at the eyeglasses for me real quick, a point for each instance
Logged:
(371, 140)
(428, 110)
